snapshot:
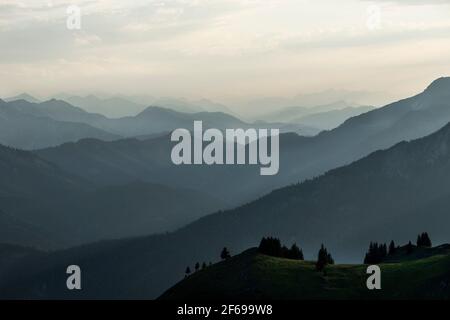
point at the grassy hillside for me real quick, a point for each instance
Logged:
(251, 275)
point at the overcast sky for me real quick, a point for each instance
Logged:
(224, 50)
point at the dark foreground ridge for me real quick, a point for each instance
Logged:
(422, 274)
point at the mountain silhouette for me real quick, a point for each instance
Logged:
(26, 174)
(23, 125)
(113, 107)
(44, 206)
(329, 120)
(23, 96)
(123, 106)
(389, 194)
(300, 157)
(31, 190)
(295, 113)
(70, 123)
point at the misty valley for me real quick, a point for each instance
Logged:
(110, 195)
(224, 158)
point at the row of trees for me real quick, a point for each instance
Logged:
(423, 240)
(378, 252)
(224, 255)
(272, 247)
(196, 268)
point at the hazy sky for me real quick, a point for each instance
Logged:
(223, 50)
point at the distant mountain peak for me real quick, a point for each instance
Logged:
(439, 86)
(54, 101)
(152, 109)
(23, 96)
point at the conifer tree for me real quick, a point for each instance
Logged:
(323, 258)
(409, 248)
(330, 259)
(419, 240)
(225, 254)
(377, 253)
(285, 253)
(271, 247)
(383, 251)
(423, 240)
(301, 256)
(262, 245)
(392, 248)
(426, 240)
(295, 253)
(188, 271)
(366, 258)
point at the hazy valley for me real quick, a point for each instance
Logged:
(381, 174)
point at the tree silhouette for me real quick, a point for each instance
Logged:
(376, 254)
(426, 240)
(330, 259)
(225, 254)
(197, 266)
(203, 265)
(285, 252)
(409, 248)
(323, 258)
(392, 248)
(383, 251)
(295, 253)
(423, 240)
(272, 247)
(188, 271)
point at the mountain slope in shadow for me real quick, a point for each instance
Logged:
(329, 120)
(300, 157)
(386, 195)
(44, 206)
